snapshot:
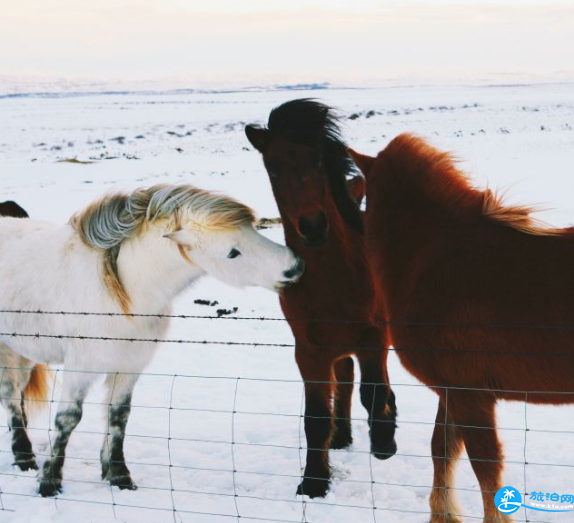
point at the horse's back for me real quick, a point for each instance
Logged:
(31, 242)
(43, 267)
(47, 266)
(520, 276)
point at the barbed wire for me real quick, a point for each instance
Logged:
(346, 321)
(351, 349)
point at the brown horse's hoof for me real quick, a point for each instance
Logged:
(386, 452)
(341, 440)
(313, 487)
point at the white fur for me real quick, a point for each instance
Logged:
(49, 268)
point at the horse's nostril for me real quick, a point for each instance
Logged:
(296, 271)
(314, 230)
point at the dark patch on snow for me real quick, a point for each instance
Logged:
(206, 302)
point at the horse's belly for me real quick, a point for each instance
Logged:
(106, 357)
(38, 350)
(85, 344)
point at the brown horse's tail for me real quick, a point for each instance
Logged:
(36, 392)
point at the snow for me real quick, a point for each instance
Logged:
(518, 138)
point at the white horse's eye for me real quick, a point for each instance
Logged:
(233, 253)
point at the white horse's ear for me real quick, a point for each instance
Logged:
(184, 238)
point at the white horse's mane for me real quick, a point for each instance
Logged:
(116, 217)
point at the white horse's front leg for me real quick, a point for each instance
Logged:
(114, 469)
(74, 391)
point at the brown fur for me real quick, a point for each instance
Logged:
(472, 289)
(516, 217)
(333, 309)
(112, 280)
(38, 388)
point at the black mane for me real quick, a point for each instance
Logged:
(309, 122)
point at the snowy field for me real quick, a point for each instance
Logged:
(518, 138)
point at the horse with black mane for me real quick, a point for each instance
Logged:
(333, 311)
(480, 302)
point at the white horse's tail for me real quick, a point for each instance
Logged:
(38, 388)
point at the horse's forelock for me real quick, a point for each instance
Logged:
(309, 122)
(210, 212)
(305, 121)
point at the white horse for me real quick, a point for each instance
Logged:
(125, 253)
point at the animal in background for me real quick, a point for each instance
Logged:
(10, 208)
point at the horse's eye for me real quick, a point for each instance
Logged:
(233, 253)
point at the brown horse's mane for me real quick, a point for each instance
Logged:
(436, 174)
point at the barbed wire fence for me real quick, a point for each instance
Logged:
(176, 508)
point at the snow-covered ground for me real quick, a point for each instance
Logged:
(519, 138)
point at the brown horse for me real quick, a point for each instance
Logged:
(478, 296)
(332, 310)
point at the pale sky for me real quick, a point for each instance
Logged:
(280, 41)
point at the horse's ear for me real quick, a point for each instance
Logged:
(258, 137)
(184, 238)
(364, 163)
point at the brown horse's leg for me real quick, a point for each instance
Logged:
(446, 448)
(470, 410)
(317, 372)
(377, 396)
(345, 374)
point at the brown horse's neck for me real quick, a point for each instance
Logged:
(337, 281)
(418, 231)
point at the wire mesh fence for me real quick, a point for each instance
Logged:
(233, 447)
